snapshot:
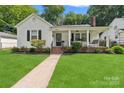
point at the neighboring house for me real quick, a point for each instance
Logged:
(34, 27)
(7, 40)
(115, 32)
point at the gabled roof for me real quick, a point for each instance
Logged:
(6, 35)
(33, 14)
(117, 20)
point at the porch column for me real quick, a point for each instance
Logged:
(69, 38)
(87, 38)
(107, 41)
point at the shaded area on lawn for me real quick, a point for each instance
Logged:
(89, 70)
(14, 66)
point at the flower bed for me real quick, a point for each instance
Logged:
(30, 50)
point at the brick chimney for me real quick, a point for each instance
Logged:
(93, 22)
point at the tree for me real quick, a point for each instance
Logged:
(105, 13)
(13, 14)
(4, 26)
(73, 19)
(53, 13)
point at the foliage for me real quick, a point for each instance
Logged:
(113, 43)
(117, 50)
(23, 49)
(32, 50)
(4, 26)
(73, 19)
(105, 13)
(10, 15)
(109, 51)
(46, 50)
(42, 50)
(38, 43)
(76, 45)
(98, 51)
(53, 13)
(67, 49)
(13, 14)
(15, 49)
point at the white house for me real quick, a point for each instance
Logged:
(34, 27)
(115, 32)
(7, 40)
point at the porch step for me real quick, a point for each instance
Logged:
(56, 50)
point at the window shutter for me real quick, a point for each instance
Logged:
(39, 35)
(28, 35)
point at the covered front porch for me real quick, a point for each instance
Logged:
(63, 36)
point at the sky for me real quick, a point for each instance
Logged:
(75, 8)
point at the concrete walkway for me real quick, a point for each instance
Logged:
(39, 77)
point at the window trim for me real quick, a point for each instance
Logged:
(30, 34)
(79, 36)
(36, 34)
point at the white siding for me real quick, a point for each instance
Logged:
(8, 43)
(117, 23)
(33, 23)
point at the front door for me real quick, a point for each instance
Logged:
(58, 39)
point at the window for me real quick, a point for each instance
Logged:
(39, 35)
(83, 37)
(28, 35)
(77, 36)
(34, 34)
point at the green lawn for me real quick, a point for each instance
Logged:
(89, 70)
(14, 66)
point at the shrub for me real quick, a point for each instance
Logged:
(32, 50)
(38, 50)
(38, 43)
(76, 45)
(46, 50)
(109, 51)
(67, 49)
(117, 50)
(15, 49)
(98, 51)
(113, 43)
(23, 49)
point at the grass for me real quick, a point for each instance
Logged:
(14, 66)
(89, 71)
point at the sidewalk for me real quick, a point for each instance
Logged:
(39, 77)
